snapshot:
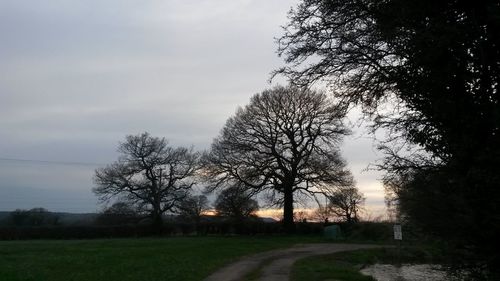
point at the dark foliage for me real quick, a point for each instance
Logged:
(368, 231)
(236, 203)
(119, 213)
(222, 227)
(32, 217)
(438, 62)
(192, 207)
(76, 232)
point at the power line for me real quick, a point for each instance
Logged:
(50, 162)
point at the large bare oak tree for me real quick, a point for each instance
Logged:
(285, 142)
(149, 174)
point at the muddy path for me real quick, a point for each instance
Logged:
(276, 265)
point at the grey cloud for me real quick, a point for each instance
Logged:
(77, 76)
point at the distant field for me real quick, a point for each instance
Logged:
(182, 258)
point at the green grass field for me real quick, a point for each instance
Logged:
(179, 258)
(345, 266)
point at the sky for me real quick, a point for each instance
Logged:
(77, 76)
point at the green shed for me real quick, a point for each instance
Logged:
(332, 232)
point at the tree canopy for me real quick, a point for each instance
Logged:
(149, 174)
(346, 203)
(283, 142)
(437, 63)
(192, 207)
(236, 203)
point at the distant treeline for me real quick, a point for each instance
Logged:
(38, 223)
(43, 217)
(366, 231)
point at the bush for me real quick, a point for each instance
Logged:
(73, 232)
(367, 231)
(220, 227)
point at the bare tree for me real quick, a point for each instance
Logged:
(192, 207)
(121, 208)
(283, 142)
(119, 213)
(236, 202)
(302, 216)
(346, 203)
(323, 213)
(149, 174)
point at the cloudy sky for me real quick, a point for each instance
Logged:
(77, 76)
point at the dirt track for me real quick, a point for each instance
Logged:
(276, 265)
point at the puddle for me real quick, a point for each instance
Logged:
(408, 272)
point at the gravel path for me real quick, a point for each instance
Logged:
(276, 265)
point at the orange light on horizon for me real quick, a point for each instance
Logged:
(370, 213)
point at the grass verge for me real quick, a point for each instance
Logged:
(345, 266)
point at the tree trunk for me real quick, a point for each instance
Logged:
(348, 217)
(288, 210)
(157, 213)
(157, 223)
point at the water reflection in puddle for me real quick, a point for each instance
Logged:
(414, 272)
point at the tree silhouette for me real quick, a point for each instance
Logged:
(150, 174)
(438, 64)
(284, 142)
(192, 207)
(236, 203)
(346, 203)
